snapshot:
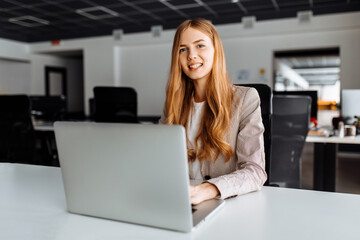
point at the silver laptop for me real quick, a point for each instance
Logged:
(135, 173)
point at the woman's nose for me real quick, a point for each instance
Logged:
(192, 54)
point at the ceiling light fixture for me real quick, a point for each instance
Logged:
(98, 12)
(29, 21)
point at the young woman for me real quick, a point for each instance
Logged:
(223, 122)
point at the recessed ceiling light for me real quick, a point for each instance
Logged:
(28, 21)
(98, 12)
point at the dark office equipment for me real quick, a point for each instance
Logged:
(49, 108)
(312, 94)
(149, 119)
(265, 94)
(115, 104)
(91, 108)
(17, 138)
(290, 123)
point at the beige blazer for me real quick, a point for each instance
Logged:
(245, 172)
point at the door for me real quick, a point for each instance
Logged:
(55, 81)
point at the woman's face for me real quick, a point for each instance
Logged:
(196, 54)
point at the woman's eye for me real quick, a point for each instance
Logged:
(201, 46)
(182, 50)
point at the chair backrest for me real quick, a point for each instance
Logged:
(265, 94)
(291, 116)
(115, 104)
(17, 137)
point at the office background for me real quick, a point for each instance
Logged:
(142, 61)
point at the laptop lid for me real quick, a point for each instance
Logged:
(129, 172)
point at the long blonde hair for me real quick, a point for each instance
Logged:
(215, 122)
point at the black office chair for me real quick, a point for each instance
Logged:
(115, 104)
(265, 94)
(291, 115)
(17, 137)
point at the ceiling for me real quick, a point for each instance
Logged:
(46, 20)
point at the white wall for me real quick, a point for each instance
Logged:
(14, 77)
(98, 61)
(15, 67)
(145, 60)
(14, 50)
(146, 68)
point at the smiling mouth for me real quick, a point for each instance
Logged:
(194, 67)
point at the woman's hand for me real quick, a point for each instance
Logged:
(202, 192)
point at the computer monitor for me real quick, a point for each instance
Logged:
(115, 104)
(49, 108)
(312, 94)
(350, 99)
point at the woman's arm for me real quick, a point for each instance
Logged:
(249, 174)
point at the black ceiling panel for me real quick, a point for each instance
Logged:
(253, 6)
(181, 2)
(152, 6)
(223, 7)
(216, 1)
(4, 16)
(123, 9)
(62, 21)
(75, 4)
(106, 2)
(44, 6)
(194, 11)
(5, 5)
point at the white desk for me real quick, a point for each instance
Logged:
(344, 140)
(43, 126)
(32, 206)
(325, 155)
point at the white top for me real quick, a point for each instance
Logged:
(33, 207)
(192, 131)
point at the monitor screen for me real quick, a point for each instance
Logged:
(50, 108)
(350, 99)
(312, 94)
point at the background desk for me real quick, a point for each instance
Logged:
(325, 155)
(32, 206)
(47, 154)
